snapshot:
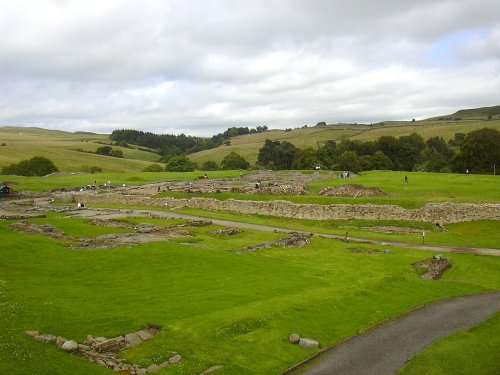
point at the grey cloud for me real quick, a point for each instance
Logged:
(199, 66)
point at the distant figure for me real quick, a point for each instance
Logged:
(467, 171)
(257, 185)
(80, 205)
(241, 175)
(406, 179)
(158, 187)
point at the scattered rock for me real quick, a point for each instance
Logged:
(212, 369)
(153, 368)
(145, 335)
(133, 339)
(294, 338)
(102, 351)
(70, 346)
(45, 338)
(226, 232)
(308, 343)
(436, 266)
(352, 190)
(32, 333)
(176, 358)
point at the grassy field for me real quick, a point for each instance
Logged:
(214, 306)
(422, 188)
(248, 145)
(70, 181)
(61, 147)
(219, 307)
(448, 356)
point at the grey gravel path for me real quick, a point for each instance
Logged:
(387, 348)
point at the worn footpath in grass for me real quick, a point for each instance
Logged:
(468, 234)
(459, 353)
(214, 306)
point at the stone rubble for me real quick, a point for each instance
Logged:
(305, 343)
(296, 240)
(436, 266)
(103, 351)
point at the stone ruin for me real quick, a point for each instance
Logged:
(104, 351)
(352, 191)
(435, 266)
(143, 233)
(296, 240)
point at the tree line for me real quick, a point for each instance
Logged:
(477, 151)
(169, 145)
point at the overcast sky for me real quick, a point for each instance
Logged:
(201, 66)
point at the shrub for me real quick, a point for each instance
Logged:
(104, 150)
(234, 161)
(153, 168)
(209, 166)
(180, 163)
(36, 166)
(117, 153)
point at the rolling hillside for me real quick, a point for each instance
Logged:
(248, 145)
(69, 151)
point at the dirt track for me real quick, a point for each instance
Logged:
(386, 348)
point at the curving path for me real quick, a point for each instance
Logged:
(386, 348)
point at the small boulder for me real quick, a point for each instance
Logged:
(294, 338)
(153, 368)
(32, 333)
(145, 335)
(90, 340)
(70, 346)
(176, 358)
(308, 343)
(45, 338)
(133, 339)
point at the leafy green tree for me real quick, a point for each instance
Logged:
(117, 153)
(234, 161)
(380, 161)
(104, 150)
(267, 154)
(348, 161)
(307, 159)
(209, 165)
(180, 163)
(36, 166)
(479, 151)
(285, 155)
(153, 168)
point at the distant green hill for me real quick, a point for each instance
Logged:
(474, 114)
(70, 152)
(248, 145)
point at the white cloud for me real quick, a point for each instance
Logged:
(201, 66)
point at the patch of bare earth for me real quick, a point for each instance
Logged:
(352, 190)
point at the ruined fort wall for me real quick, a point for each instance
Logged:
(432, 212)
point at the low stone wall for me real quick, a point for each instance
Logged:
(443, 213)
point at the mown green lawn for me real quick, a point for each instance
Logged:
(422, 188)
(214, 306)
(458, 353)
(71, 181)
